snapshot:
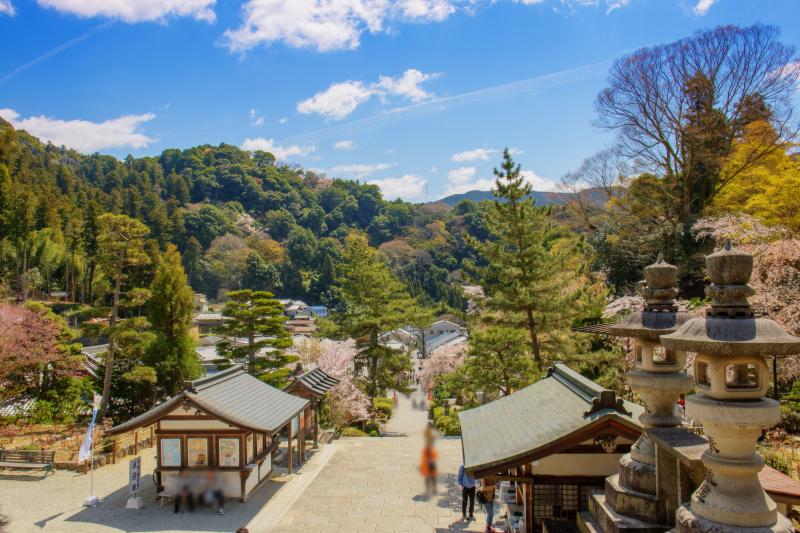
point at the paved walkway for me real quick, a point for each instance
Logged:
(373, 484)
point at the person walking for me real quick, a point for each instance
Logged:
(486, 499)
(467, 484)
(427, 466)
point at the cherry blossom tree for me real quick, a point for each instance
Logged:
(28, 346)
(440, 362)
(346, 403)
(336, 357)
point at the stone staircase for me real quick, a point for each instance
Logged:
(620, 508)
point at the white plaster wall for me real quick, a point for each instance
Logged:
(578, 464)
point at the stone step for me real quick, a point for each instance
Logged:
(586, 523)
(629, 502)
(608, 520)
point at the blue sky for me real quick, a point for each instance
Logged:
(417, 96)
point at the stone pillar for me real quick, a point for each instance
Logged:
(732, 378)
(658, 376)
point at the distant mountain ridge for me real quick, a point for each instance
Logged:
(540, 197)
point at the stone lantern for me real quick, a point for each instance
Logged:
(658, 377)
(731, 377)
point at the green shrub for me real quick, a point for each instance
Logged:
(777, 460)
(383, 406)
(353, 432)
(374, 433)
(790, 419)
(449, 425)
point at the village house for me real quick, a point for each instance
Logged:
(230, 423)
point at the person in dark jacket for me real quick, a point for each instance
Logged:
(467, 484)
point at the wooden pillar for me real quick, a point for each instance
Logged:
(315, 421)
(135, 442)
(289, 447)
(152, 441)
(301, 441)
(114, 451)
(529, 501)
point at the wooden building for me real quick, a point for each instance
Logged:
(312, 385)
(229, 422)
(555, 441)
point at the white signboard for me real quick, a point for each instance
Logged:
(135, 473)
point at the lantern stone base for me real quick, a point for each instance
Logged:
(639, 505)
(636, 475)
(688, 522)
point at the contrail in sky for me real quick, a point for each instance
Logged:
(54, 52)
(441, 103)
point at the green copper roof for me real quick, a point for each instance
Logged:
(533, 418)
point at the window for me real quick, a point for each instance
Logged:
(197, 451)
(171, 452)
(228, 449)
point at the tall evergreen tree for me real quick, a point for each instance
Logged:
(537, 271)
(373, 301)
(257, 317)
(172, 352)
(120, 244)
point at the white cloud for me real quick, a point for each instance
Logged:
(326, 25)
(539, 183)
(135, 10)
(612, 5)
(408, 85)
(425, 10)
(343, 145)
(337, 101)
(702, 7)
(321, 24)
(461, 180)
(341, 99)
(473, 155)
(83, 135)
(283, 120)
(407, 187)
(7, 8)
(256, 120)
(359, 170)
(280, 152)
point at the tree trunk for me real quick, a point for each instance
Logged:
(111, 346)
(23, 278)
(251, 353)
(535, 350)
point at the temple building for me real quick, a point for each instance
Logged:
(229, 422)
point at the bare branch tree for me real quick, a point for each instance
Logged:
(649, 101)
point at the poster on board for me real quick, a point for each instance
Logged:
(228, 452)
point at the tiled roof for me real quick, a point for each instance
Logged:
(778, 484)
(535, 417)
(317, 380)
(234, 396)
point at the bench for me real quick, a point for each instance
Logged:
(169, 490)
(28, 460)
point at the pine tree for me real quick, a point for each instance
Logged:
(373, 301)
(120, 243)
(257, 317)
(498, 361)
(537, 272)
(172, 353)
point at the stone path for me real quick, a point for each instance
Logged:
(373, 484)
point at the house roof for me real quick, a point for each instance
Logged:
(452, 338)
(532, 422)
(233, 396)
(315, 380)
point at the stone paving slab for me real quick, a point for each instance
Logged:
(373, 484)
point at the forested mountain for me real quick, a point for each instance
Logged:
(596, 196)
(238, 220)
